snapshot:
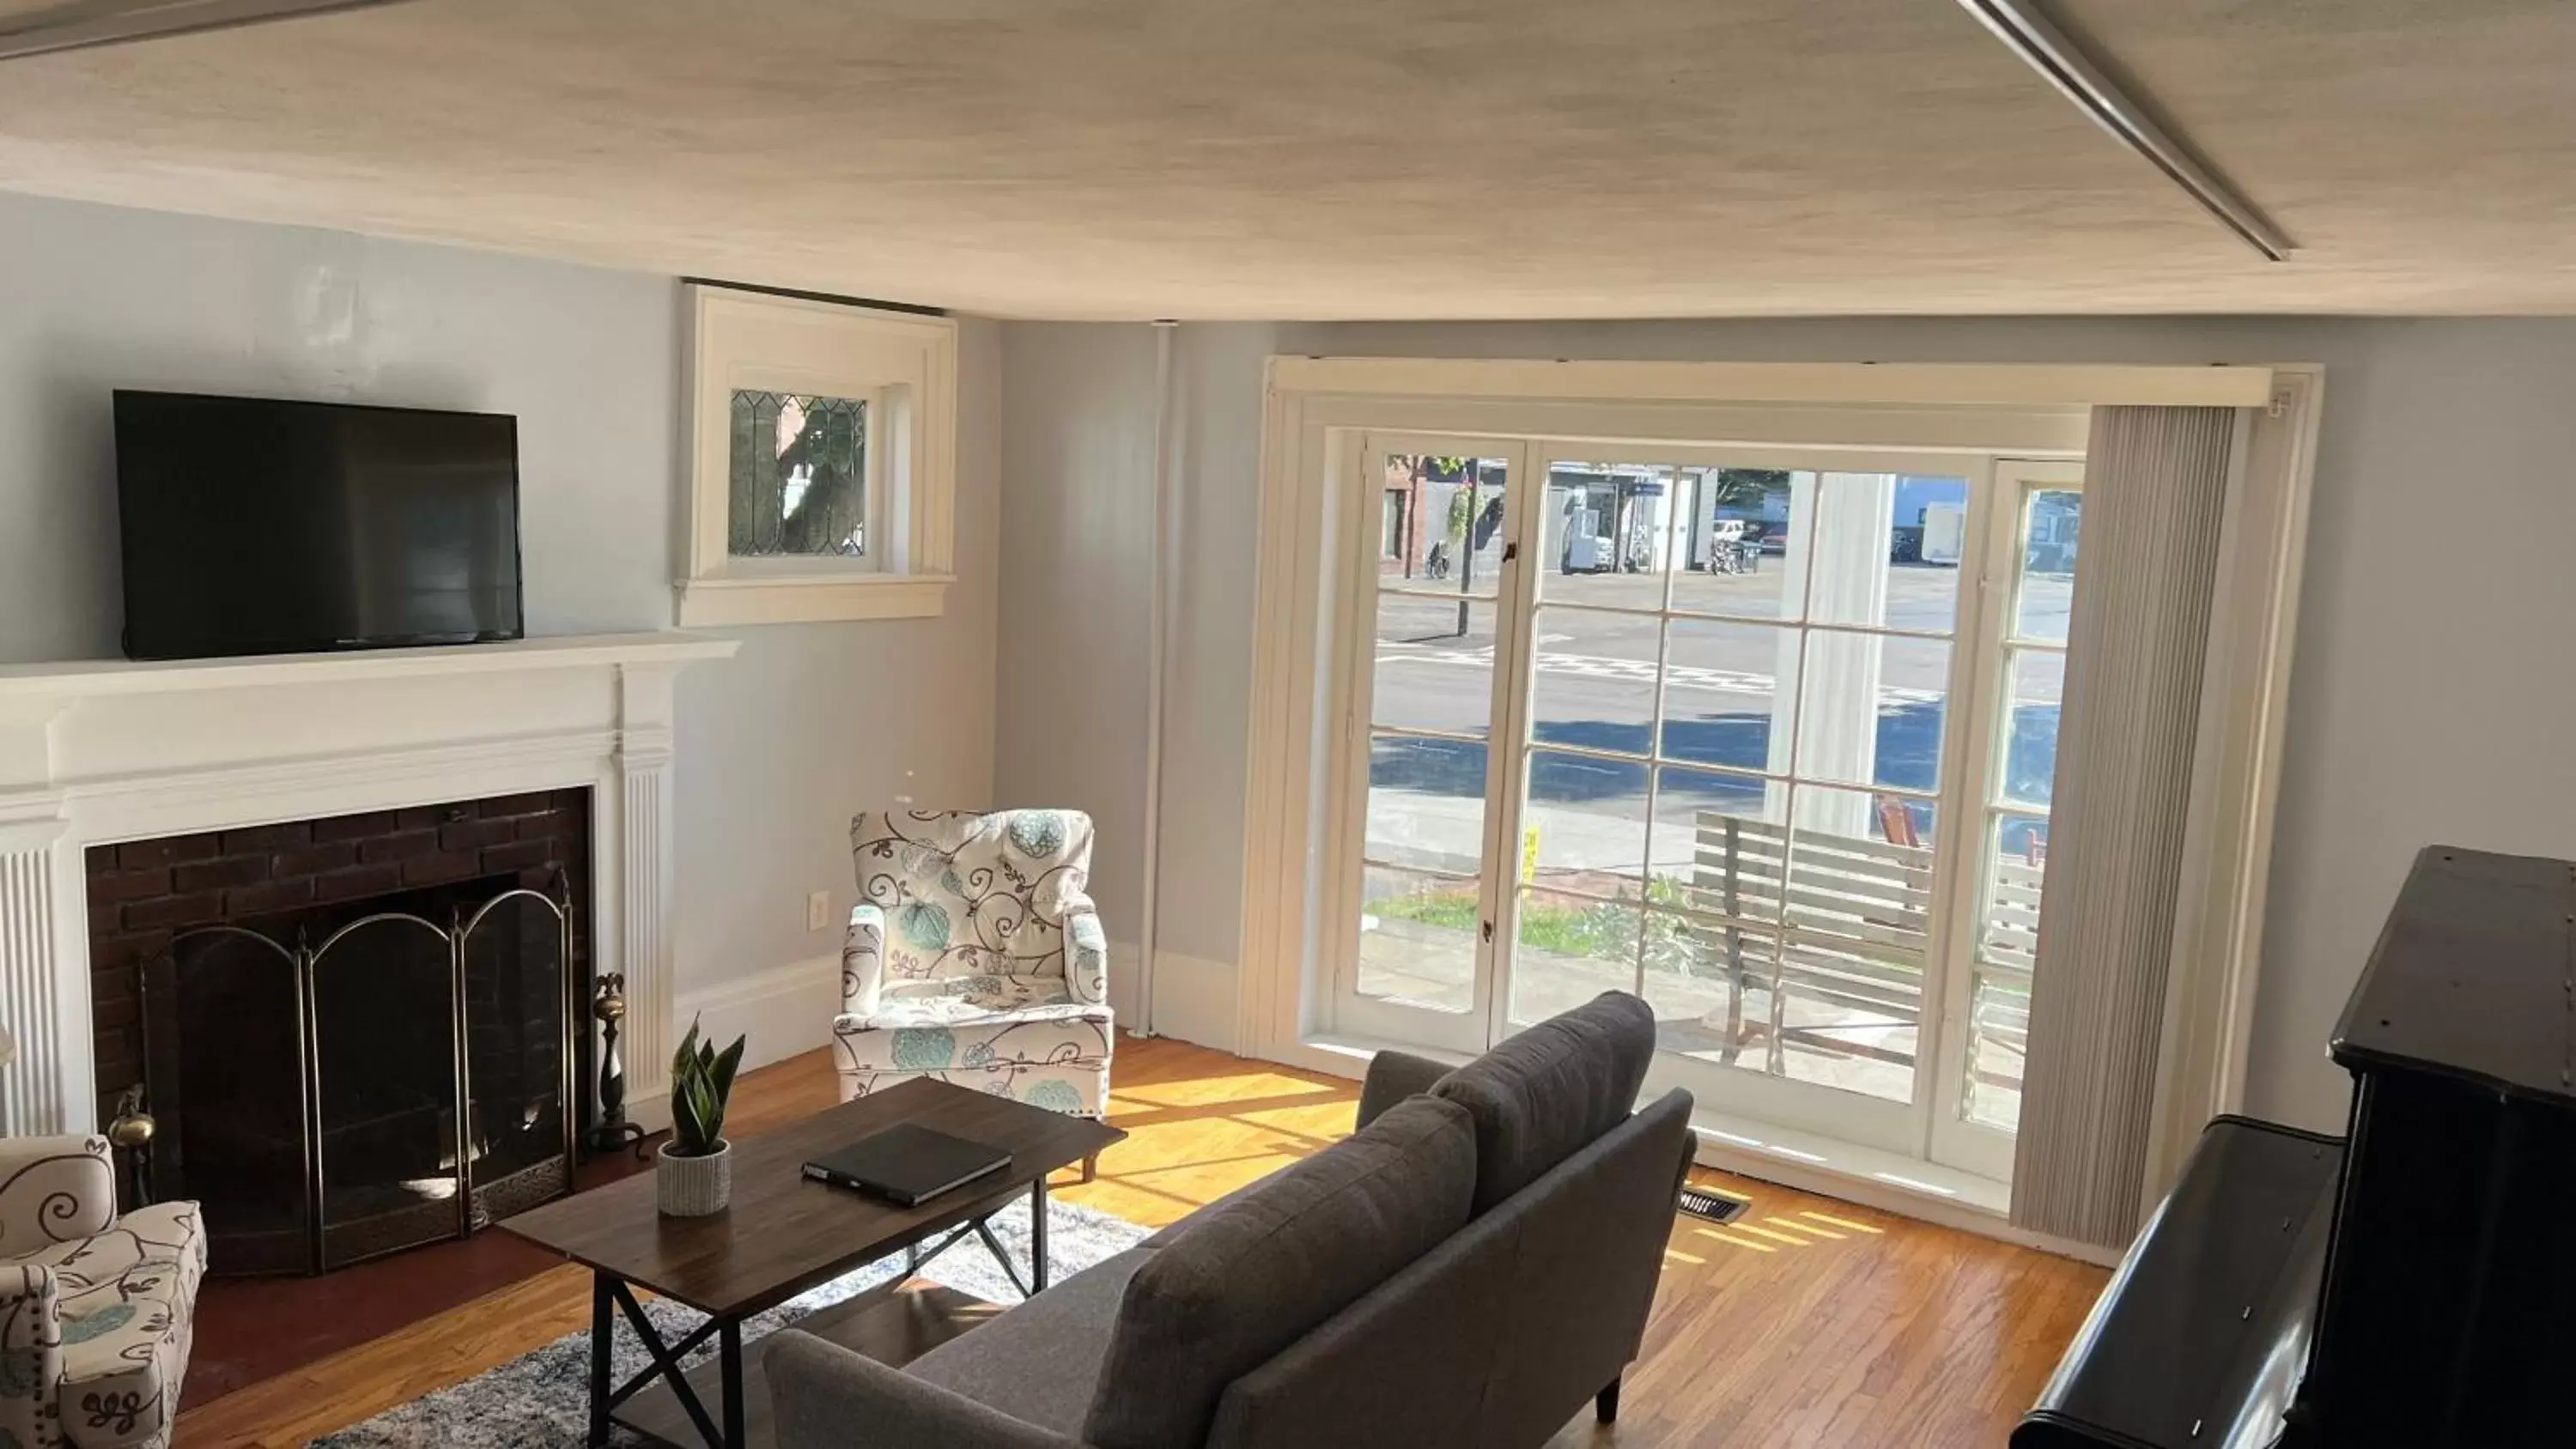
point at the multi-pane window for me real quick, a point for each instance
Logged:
(1738, 692)
(1768, 740)
(2015, 837)
(1429, 724)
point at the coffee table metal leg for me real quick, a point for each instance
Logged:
(729, 1353)
(1037, 1235)
(603, 1331)
(666, 1364)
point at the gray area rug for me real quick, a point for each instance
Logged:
(542, 1399)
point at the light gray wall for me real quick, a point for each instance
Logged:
(2430, 697)
(1077, 560)
(1077, 540)
(776, 747)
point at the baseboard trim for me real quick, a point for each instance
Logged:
(1887, 1198)
(782, 1012)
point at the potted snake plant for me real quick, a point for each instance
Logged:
(693, 1172)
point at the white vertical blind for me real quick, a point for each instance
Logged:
(2155, 493)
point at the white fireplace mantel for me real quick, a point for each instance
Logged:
(95, 752)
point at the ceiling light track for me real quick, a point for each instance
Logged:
(2046, 49)
(87, 24)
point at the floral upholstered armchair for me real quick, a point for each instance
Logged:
(95, 1309)
(975, 957)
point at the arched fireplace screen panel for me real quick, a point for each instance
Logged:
(400, 1083)
(388, 1089)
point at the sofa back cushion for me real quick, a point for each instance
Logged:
(1543, 1095)
(1591, 1234)
(1239, 1281)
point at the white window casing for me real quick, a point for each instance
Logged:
(1317, 409)
(903, 365)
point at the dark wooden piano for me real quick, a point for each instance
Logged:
(2413, 1283)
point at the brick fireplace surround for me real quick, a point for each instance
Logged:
(143, 892)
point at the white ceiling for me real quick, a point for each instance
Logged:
(1370, 158)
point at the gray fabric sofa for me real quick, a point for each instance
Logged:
(1466, 1269)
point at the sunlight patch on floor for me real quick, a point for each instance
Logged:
(1223, 1088)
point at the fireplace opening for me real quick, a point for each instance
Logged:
(369, 1070)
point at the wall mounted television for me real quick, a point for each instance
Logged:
(254, 526)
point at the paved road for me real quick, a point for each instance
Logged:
(1595, 687)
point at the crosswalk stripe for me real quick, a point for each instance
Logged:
(1641, 671)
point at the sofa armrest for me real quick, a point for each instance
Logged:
(826, 1397)
(1392, 1077)
(31, 1344)
(53, 1190)
(863, 961)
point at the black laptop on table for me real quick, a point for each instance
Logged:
(908, 1165)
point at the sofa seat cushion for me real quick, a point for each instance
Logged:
(128, 1298)
(1039, 1362)
(1235, 1283)
(1543, 1095)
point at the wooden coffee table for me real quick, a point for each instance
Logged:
(784, 1234)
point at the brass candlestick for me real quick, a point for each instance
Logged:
(131, 1133)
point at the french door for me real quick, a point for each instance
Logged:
(1436, 649)
(1708, 724)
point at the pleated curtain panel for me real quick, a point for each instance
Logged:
(2155, 493)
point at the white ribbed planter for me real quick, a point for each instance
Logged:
(693, 1187)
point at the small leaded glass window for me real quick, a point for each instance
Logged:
(799, 476)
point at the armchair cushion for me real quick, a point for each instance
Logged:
(968, 894)
(1051, 1053)
(968, 998)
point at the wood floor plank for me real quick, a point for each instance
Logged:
(1807, 1322)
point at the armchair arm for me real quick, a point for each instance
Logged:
(1086, 955)
(827, 1397)
(31, 1343)
(1392, 1077)
(53, 1190)
(863, 960)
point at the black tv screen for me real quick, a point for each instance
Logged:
(261, 527)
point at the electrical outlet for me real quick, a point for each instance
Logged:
(818, 910)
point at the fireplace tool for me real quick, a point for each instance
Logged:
(608, 1004)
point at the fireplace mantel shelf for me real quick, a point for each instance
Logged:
(97, 753)
(126, 676)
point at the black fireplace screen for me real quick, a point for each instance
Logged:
(399, 1083)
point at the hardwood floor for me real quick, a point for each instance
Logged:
(1805, 1322)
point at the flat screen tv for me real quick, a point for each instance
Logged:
(261, 527)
